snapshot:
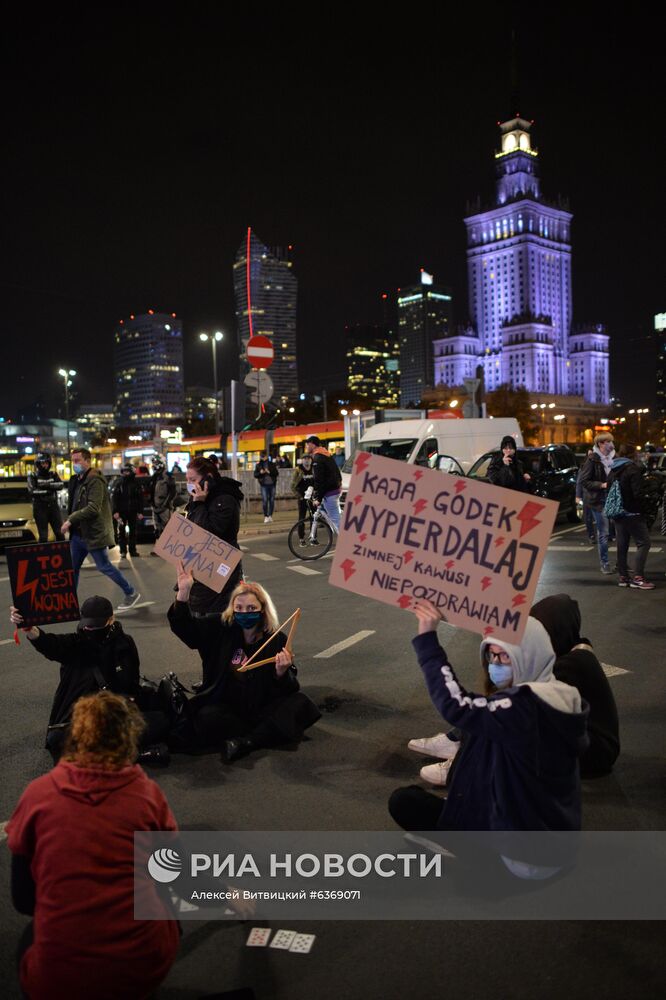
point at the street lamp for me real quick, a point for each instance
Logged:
(67, 374)
(214, 338)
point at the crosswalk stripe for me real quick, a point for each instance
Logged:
(305, 570)
(344, 644)
(264, 556)
(612, 671)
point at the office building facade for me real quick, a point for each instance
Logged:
(266, 293)
(519, 287)
(425, 316)
(148, 371)
(373, 364)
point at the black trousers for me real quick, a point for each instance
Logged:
(156, 731)
(127, 524)
(46, 514)
(413, 808)
(302, 514)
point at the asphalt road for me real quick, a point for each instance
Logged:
(355, 662)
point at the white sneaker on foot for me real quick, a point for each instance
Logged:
(436, 774)
(435, 746)
(266, 520)
(129, 601)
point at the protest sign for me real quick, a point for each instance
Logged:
(210, 560)
(42, 581)
(473, 549)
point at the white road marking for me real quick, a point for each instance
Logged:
(305, 570)
(264, 556)
(141, 604)
(571, 548)
(3, 835)
(5, 642)
(4, 579)
(576, 527)
(345, 644)
(611, 671)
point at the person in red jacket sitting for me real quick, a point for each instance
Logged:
(72, 843)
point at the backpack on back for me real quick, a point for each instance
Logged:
(613, 507)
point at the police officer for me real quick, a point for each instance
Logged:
(162, 495)
(127, 507)
(44, 486)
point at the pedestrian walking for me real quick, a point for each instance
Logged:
(588, 516)
(214, 505)
(266, 472)
(327, 482)
(90, 524)
(506, 469)
(594, 481)
(44, 486)
(631, 523)
(127, 508)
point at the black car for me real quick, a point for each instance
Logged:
(553, 469)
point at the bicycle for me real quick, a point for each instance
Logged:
(305, 537)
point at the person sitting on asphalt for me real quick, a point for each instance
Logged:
(506, 470)
(99, 655)
(214, 505)
(239, 712)
(71, 839)
(577, 665)
(632, 524)
(518, 767)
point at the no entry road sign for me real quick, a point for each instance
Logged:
(260, 352)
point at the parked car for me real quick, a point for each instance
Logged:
(16, 521)
(553, 469)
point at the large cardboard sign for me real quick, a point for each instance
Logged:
(42, 581)
(210, 560)
(472, 549)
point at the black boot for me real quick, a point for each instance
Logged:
(157, 756)
(235, 749)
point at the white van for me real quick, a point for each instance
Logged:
(448, 445)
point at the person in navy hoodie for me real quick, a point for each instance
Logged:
(517, 769)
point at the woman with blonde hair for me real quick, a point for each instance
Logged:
(239, 712)
(72, 843)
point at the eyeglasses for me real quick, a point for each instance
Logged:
(502, 657)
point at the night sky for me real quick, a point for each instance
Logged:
(138, 150)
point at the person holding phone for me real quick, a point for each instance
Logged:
(215, 506)
(506, 470)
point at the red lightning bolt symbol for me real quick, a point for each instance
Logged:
(21, 586)
(419, 505)
(358, 498)
(362, 459)
(528, 516)
(363, 536)
(404, 601)
(347, 568)
(499, 541)
(408, 556)
(460, 486)
(485, 583)
(519, 599)
(488, 630)
(418, 473)
(450, 563)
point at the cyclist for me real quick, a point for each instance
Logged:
(327, 484)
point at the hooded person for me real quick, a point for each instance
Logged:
(506, 470)
(632, 522)
(517, 769)
(577, 665)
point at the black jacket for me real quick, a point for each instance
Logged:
(114, 654)
(127, 496)
(266, 467)
(580, 668)
(327, 478)
(508, 476)
(592, 477)
(219, 513)
(44, 487)
(632, 485)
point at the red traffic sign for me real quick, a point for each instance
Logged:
(260, 352)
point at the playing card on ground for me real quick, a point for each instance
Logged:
(258, 937)
(302, 943)
(283, 939)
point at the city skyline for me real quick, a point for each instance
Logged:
(127, 196)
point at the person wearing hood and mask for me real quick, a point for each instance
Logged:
(517, 769)
(99, 655)
(577, 665)
(72, 843)
(239, 712)
(214, 505)
(327, 480)
(593, 479)
(506, 470)
(633, 522)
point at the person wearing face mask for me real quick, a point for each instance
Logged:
(99, 655)
(239, 712)
(517, 769)
(214, 505)
(44, 487)
(593, 478)
(127, 507)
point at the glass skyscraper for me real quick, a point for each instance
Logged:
(148, 371)
(519, 285)
(373, 364)
(424, 316)
(265, 291)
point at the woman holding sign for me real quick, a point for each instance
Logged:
(239, 710)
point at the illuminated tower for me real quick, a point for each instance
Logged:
(265, 290)
(424, 316)
(148, 371)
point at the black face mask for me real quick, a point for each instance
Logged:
(97, 634)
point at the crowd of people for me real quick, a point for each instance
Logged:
(511, 760)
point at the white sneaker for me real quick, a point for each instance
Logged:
(266, 520)
(435, 746)
(436, 774)
(270, 520)
(129, 601)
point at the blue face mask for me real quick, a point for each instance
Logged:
(500, 673)
(78, 468)
(248, 619)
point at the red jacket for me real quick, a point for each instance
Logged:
(76, 826)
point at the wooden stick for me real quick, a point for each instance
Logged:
(248, 665)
